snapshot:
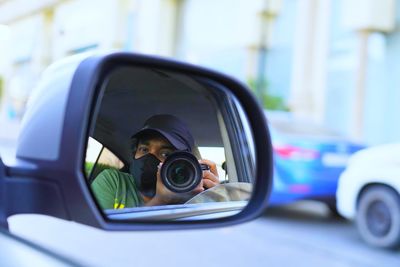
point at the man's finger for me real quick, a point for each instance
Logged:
(208, 183)
(198, 189)
(212, 165)
(207, 175)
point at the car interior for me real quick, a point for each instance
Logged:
(132, 95)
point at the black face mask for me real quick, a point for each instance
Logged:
(144, 171)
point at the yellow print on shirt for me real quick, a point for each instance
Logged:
(118, 205)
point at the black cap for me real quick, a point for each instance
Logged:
(172, 128)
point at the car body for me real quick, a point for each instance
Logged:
(368, 193)
(308, 159)
(25, 253)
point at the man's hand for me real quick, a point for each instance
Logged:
(210, 178)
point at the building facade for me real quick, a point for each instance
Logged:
(301, 51)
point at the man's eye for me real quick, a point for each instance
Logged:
(165, 154)
(143, 150)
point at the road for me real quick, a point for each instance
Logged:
(303, 234)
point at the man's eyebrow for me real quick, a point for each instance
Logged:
(143, 142)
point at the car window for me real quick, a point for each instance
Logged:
(99, 158)
(217, 155)
(93, 151)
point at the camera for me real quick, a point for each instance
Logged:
(181, 172)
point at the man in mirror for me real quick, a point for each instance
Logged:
(160, 136)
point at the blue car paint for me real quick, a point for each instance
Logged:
(311, 179)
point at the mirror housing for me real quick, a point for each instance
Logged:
(3, 216)
(47, 172)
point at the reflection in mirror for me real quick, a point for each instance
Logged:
(168, 146)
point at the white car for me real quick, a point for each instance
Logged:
(369, 193)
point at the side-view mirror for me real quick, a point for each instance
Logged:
(127, 142)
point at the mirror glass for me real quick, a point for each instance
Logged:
(165, 146)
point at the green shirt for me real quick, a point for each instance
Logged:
(116, 190)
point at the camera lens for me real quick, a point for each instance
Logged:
(181, 172)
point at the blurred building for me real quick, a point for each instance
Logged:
(41, 32)
(303, 51)
(362, 89)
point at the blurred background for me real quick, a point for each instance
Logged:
(333, 62)
(326, 72)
